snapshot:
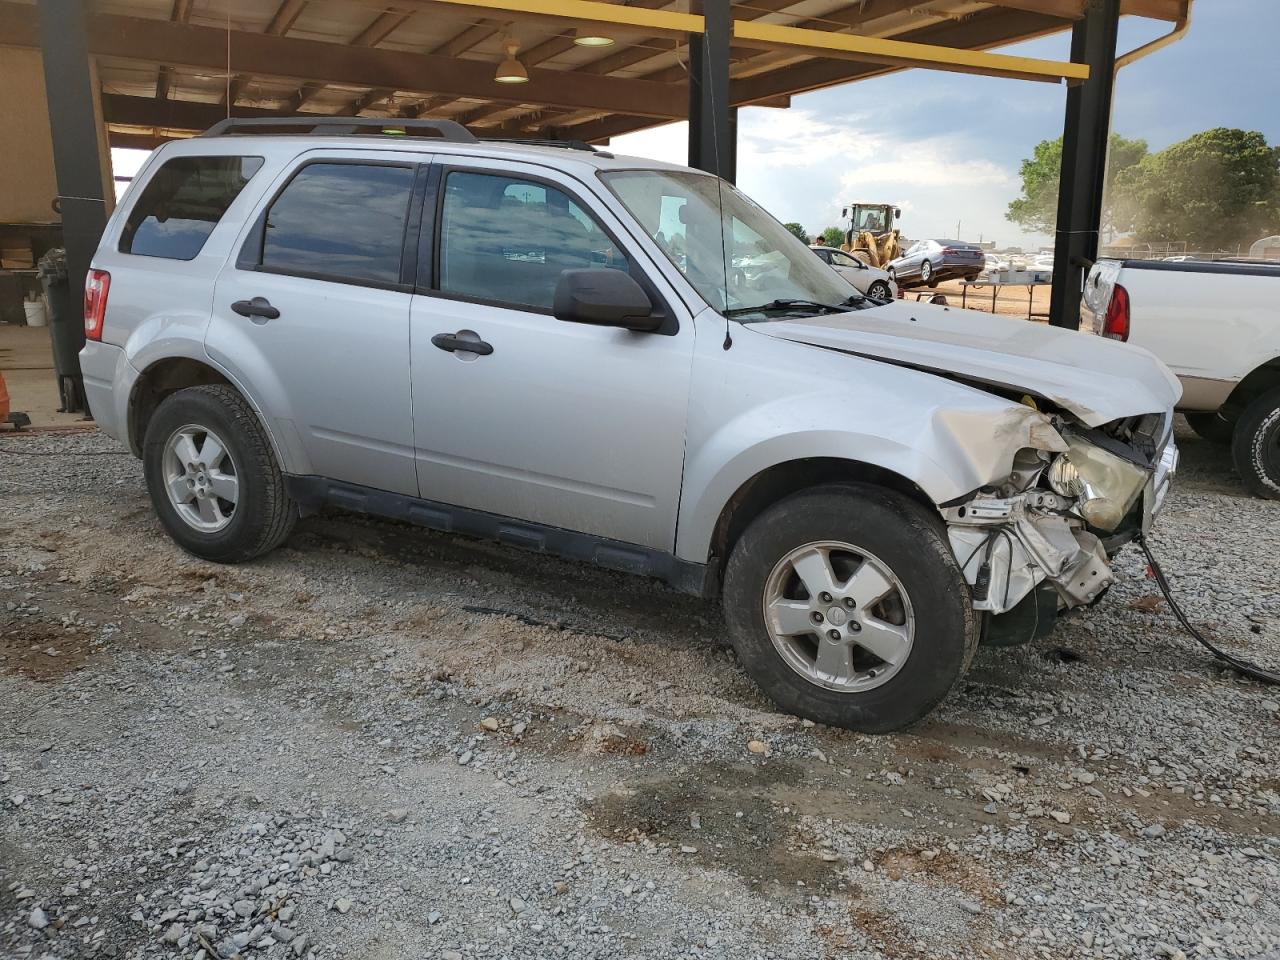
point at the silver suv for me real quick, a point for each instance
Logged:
(562, 350)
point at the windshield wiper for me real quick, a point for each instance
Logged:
(783, 304)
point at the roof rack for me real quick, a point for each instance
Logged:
(543, 142)
(343, 126)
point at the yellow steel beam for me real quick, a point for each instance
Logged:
(659, 22)
(900, 53)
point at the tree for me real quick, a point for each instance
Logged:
(1037, 208)
(1216, 190)
(799, 231)
(832, 237)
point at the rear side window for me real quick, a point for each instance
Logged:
(182, 203)
(340, 221)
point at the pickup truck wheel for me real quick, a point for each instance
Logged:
(1210, 425)
(213, 478)
(846, 605)
(1255, 446)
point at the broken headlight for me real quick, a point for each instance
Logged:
(1107, 486)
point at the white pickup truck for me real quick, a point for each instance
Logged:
(1216, 325)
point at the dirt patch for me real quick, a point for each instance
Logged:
(941, 867)
(42, 651)
(727, 816)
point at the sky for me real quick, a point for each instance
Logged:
(946, 147)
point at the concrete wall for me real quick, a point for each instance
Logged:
(28, 183)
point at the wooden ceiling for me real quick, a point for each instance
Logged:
(174, 67)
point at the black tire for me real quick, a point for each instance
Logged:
(264, 514)
(1255, 447)
(1210, 425)
(912, 544)
(926, 273)
(879, 291)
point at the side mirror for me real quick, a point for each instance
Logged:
(604, 298)
(844, 212)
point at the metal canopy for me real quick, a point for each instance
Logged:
(173, 67)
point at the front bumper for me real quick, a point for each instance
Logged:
(1161, 482)
(1009, 546)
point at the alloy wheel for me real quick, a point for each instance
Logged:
(201, 478)
(838, 616)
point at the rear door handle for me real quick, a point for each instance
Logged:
(257, 307)
(456, 342)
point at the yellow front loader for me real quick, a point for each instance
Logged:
(871, 235)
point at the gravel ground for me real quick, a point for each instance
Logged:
(379, 742)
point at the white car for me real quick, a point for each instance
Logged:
(1215, 324)
(872, 281)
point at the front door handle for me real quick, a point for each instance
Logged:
(257, 307)
(457, 342)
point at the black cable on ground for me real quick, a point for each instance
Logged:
(66, 453)
(1243, 666)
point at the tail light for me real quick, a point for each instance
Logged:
(1116, 324)
(96, 285)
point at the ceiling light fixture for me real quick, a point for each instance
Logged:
(584, 39)
(511, 70)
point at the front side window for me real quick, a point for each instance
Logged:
(737, 256)
(841, 259)
(182, 203)
(343, 221)
(506, 240)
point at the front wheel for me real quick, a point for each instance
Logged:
(213, 477)
(1255, 447)
(879, 291)
(846, 605)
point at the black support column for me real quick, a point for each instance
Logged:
(68, 81)
(1084, 158)
(712, 123)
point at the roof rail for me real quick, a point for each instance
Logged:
(342, 126)
(545, 142)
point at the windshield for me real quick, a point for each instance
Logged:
(740, 259)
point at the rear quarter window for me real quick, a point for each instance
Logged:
(182, 203)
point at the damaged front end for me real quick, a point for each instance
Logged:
(1042, 540)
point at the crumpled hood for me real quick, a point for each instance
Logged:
(1098, 380)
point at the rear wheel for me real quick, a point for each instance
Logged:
(847, 607)
(926, 272)
(1210, 425)
(213, 477)
(879, 291)
(1255, 447)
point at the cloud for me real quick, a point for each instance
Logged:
(932, 164)
(805, 165)
(786, 139)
